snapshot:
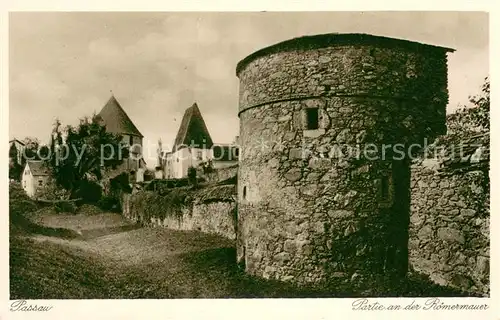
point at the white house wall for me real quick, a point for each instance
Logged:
(31, 184)
(177, 164)
(27, 182)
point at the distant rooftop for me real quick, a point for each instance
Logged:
(38, 168)
(16, 140)
(336, 39)
(192, 131)
(116, 119)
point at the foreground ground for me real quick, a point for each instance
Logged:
(101, 255)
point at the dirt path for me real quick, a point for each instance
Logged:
(148, 262)
(118, 260)
(142, 245)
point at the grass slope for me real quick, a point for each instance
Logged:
(98, 255)
(51, 271)
(158, 264)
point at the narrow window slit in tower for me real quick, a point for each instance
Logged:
(312, 118)
(244, 193)
(384, 187)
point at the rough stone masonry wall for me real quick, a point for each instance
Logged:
(216, 217)
(221, 174)
(449, 227)
(306, 214)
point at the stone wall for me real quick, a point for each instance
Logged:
(309, 210)
(221, 174)
(202, 211)
(216, 218)
(449, 225)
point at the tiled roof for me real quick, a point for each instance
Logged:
(38, 168)
(16, 140)
(116, 119)
(192, 131)
(336, 39)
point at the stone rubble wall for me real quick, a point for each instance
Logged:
(349, 71)
(449, 227)
(215, 217)
(306, 213)
(220, 174)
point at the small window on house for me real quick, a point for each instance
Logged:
(131, 140)
(312, 118)
(40, 183)
(244, 193)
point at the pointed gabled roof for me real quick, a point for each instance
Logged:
(38, 168)
(193, 131)
(116, 119)
(16, 140)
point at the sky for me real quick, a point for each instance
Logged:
(65, 65)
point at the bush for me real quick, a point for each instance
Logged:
(192, 175)
(65, 207)
(89, 191)
(163, 186)
(20, 205)
(474, 118)
(19, 202)
(16, 192)
(108, 203)
(207, 166)
(150, 204)
(149, 175)
(21, 208)
(52, 192)
(120, 183)
(89, 210)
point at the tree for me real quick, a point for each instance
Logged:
(31, 146)
(481, 117)
(474, 118)
(32, 150)
(15, 168)
(192, 176)
(80, 154)
(207, 166)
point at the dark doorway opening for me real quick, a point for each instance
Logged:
(396, 261)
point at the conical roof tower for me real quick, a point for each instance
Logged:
(193, 131)
(116, 119)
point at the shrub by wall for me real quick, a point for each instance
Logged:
(20, 205)
(209, 209)
(221, 174)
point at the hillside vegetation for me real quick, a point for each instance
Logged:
(97, 255)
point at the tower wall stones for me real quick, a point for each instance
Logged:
(310, 206)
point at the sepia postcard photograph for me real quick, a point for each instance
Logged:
(249, 155)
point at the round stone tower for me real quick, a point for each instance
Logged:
(326, 124)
